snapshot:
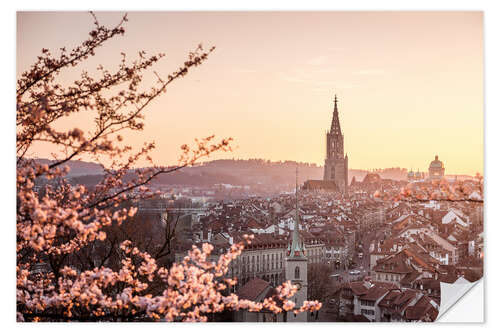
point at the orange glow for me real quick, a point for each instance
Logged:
(410, 84)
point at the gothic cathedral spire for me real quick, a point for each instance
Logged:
(336, 167)
(335, 128)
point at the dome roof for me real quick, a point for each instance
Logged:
(372, 178)
(436, 163)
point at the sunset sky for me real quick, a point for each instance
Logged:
(409, 84)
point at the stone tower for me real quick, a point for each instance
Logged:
(296, 267)
(336, 164)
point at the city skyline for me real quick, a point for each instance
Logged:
(409, 84)
(354, 233)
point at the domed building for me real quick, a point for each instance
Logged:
(436, 169)
(372, 178)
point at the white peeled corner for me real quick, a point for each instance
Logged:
(456, 306)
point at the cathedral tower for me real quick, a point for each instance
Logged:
(296, 266)
(336, 164)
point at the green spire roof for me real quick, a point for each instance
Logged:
(296, 249)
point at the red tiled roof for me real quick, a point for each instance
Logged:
(405, 297)
(252, 223)
(415, 312)
(320, 185)
(448, 278)
(252, 289)
(393, 264)
(429, 283)
(422, 310)
(409, 278)
(374, 293)
(358, 288)
(389, 298)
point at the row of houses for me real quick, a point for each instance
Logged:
(384, 302)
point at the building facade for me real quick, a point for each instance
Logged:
(436, 169)
(336, 164)
(264, 261)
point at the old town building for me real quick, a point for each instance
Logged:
(436, 169)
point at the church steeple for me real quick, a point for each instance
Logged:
(296, 249)
(335, 128)
(336, 164)
(296, 264)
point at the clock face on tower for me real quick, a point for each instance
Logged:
(299, 285)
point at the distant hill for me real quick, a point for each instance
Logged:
(231, 171)
(259, 171)
(78, 168)
(235, 172)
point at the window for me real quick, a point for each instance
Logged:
(297, 272)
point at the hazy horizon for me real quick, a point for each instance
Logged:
(369, 170)
(410, 84)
